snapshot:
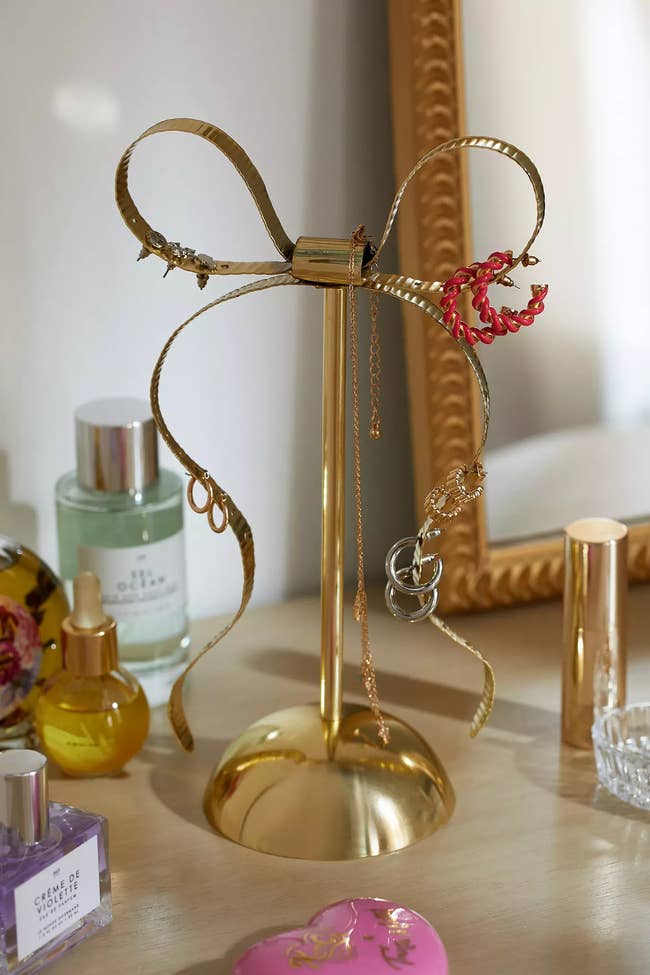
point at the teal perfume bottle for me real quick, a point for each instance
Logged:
(120, 516)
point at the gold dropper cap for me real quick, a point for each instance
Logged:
(89, 636)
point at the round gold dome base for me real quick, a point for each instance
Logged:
(294, 785)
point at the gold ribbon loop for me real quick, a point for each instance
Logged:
(186, 258)
(471, 142)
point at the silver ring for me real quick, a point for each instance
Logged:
(396, 575)
(396, 583)
(417, 615)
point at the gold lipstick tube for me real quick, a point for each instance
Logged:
(595, 602)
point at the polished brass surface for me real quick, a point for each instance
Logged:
(415, 291)
(595, 604)
(326, 260)
(288, 787)
(294, 780)
(315, 783)
(333, 502)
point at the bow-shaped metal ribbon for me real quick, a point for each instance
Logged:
(319, 262)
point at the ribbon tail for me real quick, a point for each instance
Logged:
(486, 703)
(175, 706)
(235, 520)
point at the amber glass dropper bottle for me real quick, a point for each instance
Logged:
(92, 716)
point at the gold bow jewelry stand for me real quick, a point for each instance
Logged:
(331, 780)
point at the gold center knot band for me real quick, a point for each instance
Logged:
(319, 262)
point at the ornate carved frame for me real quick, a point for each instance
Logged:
(435, 239)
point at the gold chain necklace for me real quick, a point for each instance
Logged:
(368, 674)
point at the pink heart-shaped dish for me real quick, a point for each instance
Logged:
(366, 935)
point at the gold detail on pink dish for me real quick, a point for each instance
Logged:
(315, 948)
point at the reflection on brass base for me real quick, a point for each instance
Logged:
(292, 786)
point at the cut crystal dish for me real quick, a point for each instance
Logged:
(621, 738)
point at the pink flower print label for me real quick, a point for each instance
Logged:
(21, 653)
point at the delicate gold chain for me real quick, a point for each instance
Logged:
(368, 674)
(374, 359)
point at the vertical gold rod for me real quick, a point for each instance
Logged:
(333, 498)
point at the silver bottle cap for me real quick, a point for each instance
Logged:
(23, 794)
(117, 445)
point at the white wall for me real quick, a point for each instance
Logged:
(569, 82)
(303, 86)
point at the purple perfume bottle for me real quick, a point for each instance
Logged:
(55, 885)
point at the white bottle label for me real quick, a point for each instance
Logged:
(143, 587)
(57, 898)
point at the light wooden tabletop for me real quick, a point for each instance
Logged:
(538, 871)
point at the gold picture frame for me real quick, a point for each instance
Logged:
(434, 234)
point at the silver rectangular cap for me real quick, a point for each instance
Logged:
(23, 794)
(117, 445)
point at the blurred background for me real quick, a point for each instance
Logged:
(569, 82)
(304, 88)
